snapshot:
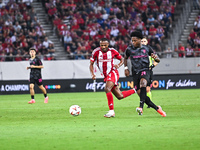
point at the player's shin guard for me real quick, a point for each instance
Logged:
(150, 103)
(110, 100)
(128, 93)
(142, 96)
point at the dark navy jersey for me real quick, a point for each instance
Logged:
(139, 57)
(35, 72)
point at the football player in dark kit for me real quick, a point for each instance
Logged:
(35, 75)
(139, 56)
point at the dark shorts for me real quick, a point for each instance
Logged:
(138, 76)
(38, 81)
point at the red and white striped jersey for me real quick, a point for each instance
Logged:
(104, 60)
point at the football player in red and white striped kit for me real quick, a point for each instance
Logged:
(103, 56)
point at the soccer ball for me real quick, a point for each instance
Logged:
(75, 110)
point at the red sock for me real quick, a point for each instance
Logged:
(128, 93)
(110, 100)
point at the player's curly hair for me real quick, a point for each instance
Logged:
(137, 34)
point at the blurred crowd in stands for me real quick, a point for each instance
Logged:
(192, 49)
(80, 24)
(21, 30)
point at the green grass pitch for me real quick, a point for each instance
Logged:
(49, 126)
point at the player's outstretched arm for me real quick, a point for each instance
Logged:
(92, 70)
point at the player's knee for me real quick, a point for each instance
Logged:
(31, 87)
(143, 83)
(107, 89)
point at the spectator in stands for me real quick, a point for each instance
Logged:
(1, 48)
(145, 32)
(112, 42)
(93, 32)
(46, 42)
(154, 40)
(67, 40)
(70, 54)
(40, 56)
(52, 12)
(151, 20)
(160, 16)
(114, 31)
(17, 26)
(181, 50)
(44, 51)
(196, 51)
(197, 30)
(2, 57)
(189, 51)
(168, 53)
(197, 41)
(9, 57)
(18, 56)
(122, 47)
(97, 8)
(133, 13)
(160, 32)
(197, 22)
(126, 15)
(193, 34)
(51, 51)
(79, 55)
(172, 8)
(152, 30)
(166, 22)
(28, 3)
(73, 47)
(190, 41)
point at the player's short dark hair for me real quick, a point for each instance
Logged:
(104, 39)
(137, 34)
(32, 49)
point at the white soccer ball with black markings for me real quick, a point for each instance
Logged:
(75, 110)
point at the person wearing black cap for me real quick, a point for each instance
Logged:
(35, 75)
(139, 56)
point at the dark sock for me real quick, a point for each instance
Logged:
(150, 103)
(142, 96)
(32, 96)
(45, 95)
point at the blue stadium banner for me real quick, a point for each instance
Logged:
(178, 81)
